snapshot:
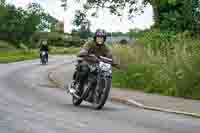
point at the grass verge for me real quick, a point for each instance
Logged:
(14, 56)
(21, 55)
(159, 64)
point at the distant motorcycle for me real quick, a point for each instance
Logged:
(44, 59)
(96, 87)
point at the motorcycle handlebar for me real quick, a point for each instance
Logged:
(96, 59)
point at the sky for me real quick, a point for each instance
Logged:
(104, 20)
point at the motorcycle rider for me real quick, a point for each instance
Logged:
(44, 47)
(96, 47)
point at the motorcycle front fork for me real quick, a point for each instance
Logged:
(92, 87)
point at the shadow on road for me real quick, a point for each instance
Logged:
(88, 107)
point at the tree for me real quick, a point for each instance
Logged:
(79, 18)
(177, 15)
(82, 23)
(2, 2)
(34, 20)
(85, 30)
(196, 16)
(64, 4)
(18, 25)
(117, 6)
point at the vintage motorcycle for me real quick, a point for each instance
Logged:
(96, 85)
(44, 59)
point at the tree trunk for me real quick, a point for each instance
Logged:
(156, 9)
(156, 16)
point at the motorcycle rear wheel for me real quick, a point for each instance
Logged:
(99, 101)
(77, 101)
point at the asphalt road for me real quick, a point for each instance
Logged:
(29, 105)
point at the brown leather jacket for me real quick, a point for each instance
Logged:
(90, 47)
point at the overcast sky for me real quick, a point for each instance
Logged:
(105, 20)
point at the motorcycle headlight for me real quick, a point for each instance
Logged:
(43, 53)
(105, 67)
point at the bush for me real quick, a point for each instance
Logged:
(63, 50)
(123, 42)
(5, 46)
(137, 76)
(57, 39)
(164, 63)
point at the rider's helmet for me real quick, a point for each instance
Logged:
(100, 33)
(44, 42)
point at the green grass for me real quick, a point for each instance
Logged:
(157, 64)
(137, 76)
(14, 56)
(21, 55)
(143, 77)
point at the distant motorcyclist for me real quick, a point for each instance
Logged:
(44, 47)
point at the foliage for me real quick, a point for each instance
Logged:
(83, 24)
(161, 62)
(176, 15)
(18, 25)
(5, 46)
(196, 16)
(21, 55)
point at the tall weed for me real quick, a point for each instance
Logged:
(165, 63)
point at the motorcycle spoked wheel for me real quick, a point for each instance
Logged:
(101, 93)
(43, 61)
(82, 94)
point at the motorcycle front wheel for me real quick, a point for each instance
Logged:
(43, 61)
(101, 94)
